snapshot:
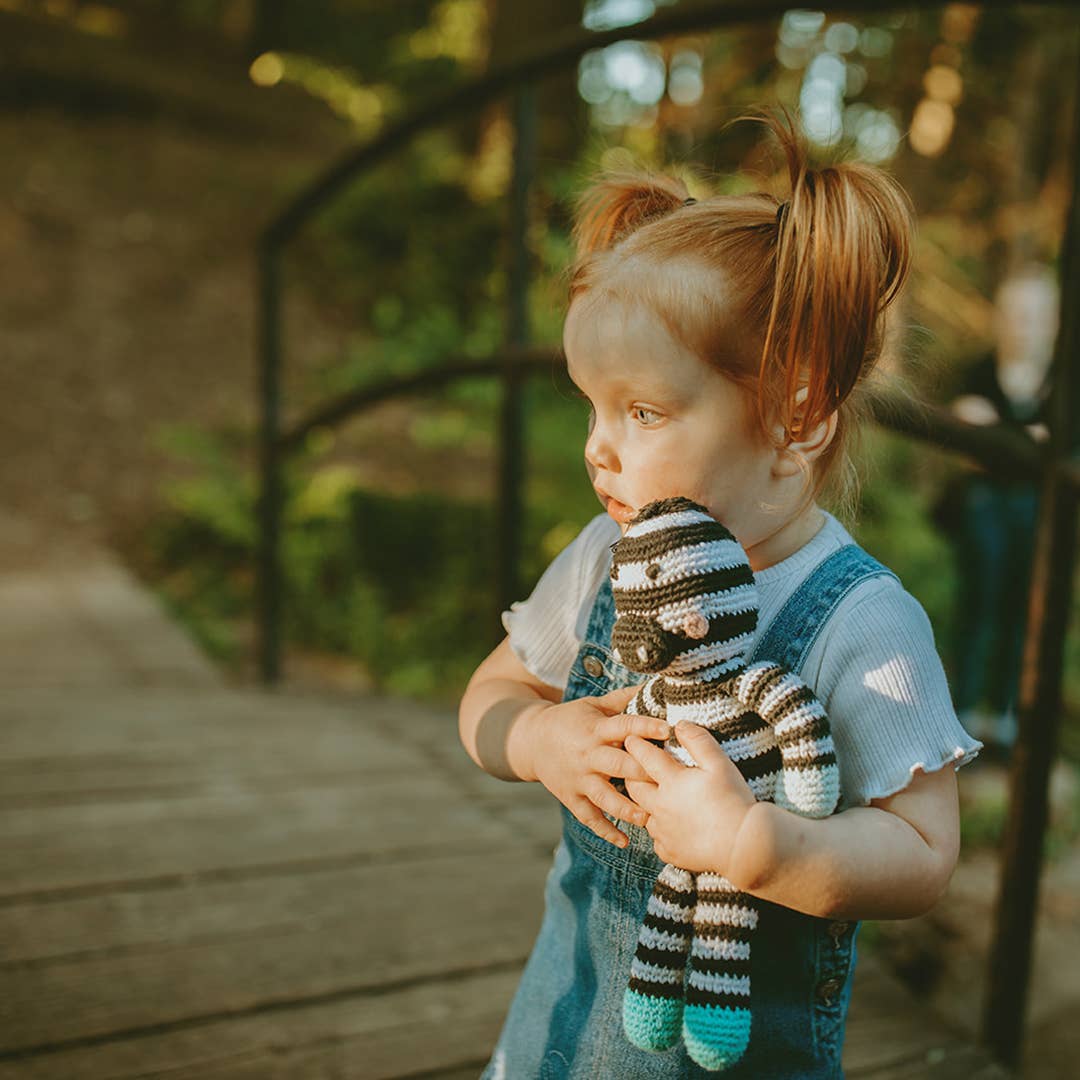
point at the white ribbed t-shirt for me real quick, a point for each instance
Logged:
(874, 665)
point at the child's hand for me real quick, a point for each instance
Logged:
(694, 814)
(576, 749)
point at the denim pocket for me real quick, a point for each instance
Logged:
(555, 1066)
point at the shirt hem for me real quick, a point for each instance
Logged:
(958, 759)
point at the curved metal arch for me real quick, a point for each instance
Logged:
(555, 55)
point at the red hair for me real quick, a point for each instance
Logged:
(777, 297)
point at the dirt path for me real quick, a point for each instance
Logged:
(129, 246)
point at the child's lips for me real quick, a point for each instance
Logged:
(617, 510)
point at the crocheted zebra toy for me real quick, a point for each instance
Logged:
(686, 608)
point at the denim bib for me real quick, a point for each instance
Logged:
(565, 1022)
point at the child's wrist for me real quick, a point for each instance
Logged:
(521, 746)
(753, 852)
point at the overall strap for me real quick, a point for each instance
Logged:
(789, 637)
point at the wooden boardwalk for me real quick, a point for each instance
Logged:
(215, 883)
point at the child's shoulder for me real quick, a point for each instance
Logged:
(579, 564)
(879, 601)
(878, 629)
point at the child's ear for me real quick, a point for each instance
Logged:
(793, 459)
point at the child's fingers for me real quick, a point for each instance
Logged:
(611, 761)
(604, 796)
(615, 729)
(589, 815)
(614, 701)
(659, 764)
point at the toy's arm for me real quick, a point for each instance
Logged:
(649, 700)
(809, 782)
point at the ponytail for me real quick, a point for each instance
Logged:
(843, 251)
(617, 204)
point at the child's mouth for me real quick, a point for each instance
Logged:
(620, 512)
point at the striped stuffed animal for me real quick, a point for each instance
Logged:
(686, 608)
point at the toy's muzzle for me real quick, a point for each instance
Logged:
(642, 645)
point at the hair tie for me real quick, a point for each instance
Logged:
(780, 211)
(690, 201)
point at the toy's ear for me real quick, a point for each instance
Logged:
(695, 625)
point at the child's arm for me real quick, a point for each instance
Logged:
(889, 860)
(516, 728)
(495, 710)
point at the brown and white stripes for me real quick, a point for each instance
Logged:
(686, 608)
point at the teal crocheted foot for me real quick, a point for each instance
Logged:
(652, 1023)
(715, 1037)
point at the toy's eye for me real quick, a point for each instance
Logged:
(652, 571)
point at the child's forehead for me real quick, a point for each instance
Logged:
(617, 339)
(601, 316)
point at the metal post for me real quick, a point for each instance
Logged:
(268, 568)
(509, 500)
(1040, 687)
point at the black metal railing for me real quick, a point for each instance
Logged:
(1054, 467)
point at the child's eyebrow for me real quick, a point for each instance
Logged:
(647, 389)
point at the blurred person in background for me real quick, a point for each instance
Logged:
(993, 518)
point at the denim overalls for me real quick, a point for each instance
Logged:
(566, 1017)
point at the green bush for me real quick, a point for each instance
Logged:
(402, 583)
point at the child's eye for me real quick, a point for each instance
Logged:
(641, 414)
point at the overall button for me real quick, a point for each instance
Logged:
(826, 990)
(593, 666)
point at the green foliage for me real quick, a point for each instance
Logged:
(982, 823)
(404, 583)
(893, 523)
(983, 819)
(413, 256)
(408, 236)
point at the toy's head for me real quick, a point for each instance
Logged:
(685, 598)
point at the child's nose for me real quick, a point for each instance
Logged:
(599, 453)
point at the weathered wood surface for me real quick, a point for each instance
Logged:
(221, 884)
(216, 883)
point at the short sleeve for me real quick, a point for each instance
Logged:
(883, 686)
(544, 629)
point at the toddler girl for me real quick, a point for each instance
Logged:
(719, 343)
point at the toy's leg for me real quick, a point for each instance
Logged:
(653, 1002)
(716, 1020)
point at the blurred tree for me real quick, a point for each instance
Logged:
(266, 27)
(518, 27)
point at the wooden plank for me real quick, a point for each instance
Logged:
(164, 771)
(157, 741)
(445, 1026)
(891, 1036)
(377, 1037)
(101, 845)
(207, 911)
(40, 720)
(389, 926)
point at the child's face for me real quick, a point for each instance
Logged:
(663, 422)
